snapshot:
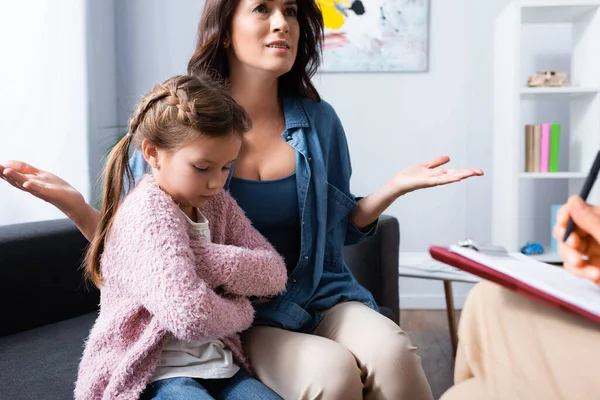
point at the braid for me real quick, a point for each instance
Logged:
(199, 103)
(181, 109)
(158, 93)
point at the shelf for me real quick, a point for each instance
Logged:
(531, 35)
(558, 91)
(552, 175)
(541, 13)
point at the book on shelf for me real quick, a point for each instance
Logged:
(542, 147)
(529, 146)
(554, 147)
(545, 147)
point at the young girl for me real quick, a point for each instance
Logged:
(163, 329)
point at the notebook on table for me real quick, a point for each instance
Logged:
(536, 280)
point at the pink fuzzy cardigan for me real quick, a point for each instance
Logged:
(159, 280)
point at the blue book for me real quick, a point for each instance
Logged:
(553, 242)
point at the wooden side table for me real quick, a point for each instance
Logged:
(430, 269)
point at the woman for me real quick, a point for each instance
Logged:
(268, 52)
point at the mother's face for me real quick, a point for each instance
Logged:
(264, 36)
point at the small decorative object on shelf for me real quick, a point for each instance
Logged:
(548, 77)
(532, 248)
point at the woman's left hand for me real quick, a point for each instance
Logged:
(428, 174)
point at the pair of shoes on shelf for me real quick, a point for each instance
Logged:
(548, 77)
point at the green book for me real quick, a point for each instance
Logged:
(554, 147)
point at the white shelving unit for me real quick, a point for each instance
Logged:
(521, 212)
(558, 91)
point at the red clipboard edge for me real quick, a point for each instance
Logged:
(456, 260)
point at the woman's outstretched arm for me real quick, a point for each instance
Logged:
(418, 176)
(54, 190)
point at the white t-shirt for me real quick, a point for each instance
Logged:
(208, 359)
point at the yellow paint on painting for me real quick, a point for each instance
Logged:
(332, 18)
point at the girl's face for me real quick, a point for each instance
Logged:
(264, 36)
(196, 172)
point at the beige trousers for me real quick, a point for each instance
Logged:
(355, 353)
(513, 348)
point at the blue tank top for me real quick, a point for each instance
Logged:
(272, 207)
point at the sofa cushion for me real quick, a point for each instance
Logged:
(42, 363)
(41, 278)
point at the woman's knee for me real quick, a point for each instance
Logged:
(396, 356)
(397, 352)
(336, 375)
(394, 368)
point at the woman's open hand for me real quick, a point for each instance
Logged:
(428, 174)
(41, 184)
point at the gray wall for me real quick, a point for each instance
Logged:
(155, 39)
(102, 87)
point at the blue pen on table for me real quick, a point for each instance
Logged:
(585, 191)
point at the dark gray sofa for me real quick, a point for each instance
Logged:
(47, 311)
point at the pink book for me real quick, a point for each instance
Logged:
(545, 148)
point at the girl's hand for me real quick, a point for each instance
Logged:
(41, 184)
(581, 251)
(428, 174)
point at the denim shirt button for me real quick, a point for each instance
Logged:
(294, 280)
(306, 257)
(289, 138)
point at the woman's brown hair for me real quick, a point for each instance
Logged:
(210, 56)
(173, 114)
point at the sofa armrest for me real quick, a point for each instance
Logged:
(41, 280)
(374, 263)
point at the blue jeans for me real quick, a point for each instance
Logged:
(241, 386)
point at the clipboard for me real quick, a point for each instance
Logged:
(555, 287)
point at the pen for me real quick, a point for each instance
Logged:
(585, 191)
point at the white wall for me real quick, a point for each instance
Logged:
(480, 114)
(394, 120)
(43, 98)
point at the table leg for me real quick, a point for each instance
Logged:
(451, 315)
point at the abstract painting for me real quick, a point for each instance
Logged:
(375, 35)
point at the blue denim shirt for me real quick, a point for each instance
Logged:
(321, 279)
